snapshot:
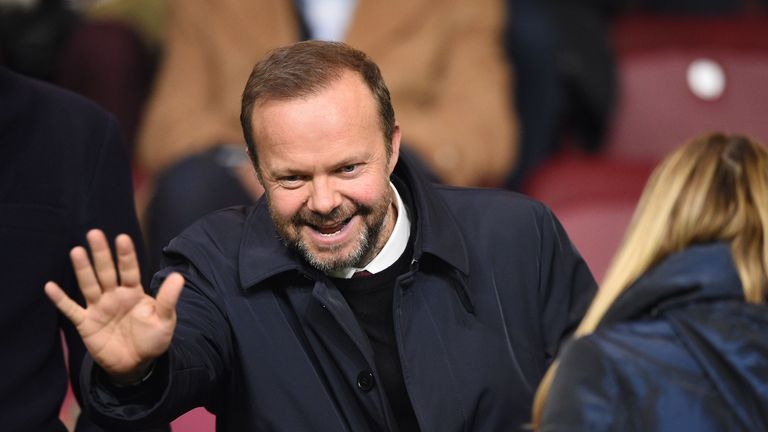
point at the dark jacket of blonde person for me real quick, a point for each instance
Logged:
(680, 350)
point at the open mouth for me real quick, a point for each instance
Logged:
(331, 230)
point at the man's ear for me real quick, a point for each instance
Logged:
(254, 165)
(395, 148)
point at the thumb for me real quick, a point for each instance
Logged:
(66, 305)
(168, 295)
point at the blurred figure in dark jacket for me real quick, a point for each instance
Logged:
(565, 74)
(63, 170)
(676, 337)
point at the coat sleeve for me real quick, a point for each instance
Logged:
(189, 375)
(584, 391)
(566, 284)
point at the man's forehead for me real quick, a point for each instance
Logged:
(349, 81)
(346, 100)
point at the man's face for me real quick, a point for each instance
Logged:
(323, 163)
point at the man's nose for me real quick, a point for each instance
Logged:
(324, 197)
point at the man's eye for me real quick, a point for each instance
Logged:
(348, 169)
(290, 181)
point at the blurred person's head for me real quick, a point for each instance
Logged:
(320, 129)
(712, 189)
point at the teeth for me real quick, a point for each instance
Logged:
(339, 225)
(331, 234)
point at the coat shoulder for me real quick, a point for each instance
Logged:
(456, 194)
(500, 216)
(217, 235)
(491, 204)
(33, 100)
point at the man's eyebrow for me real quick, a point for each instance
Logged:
(353, 160)
(284, 171)
(347, 162)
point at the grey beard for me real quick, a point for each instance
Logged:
(367, 242)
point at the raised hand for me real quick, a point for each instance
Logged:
(123, 328)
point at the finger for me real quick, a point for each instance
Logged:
(127, 264)
(86, 278)
(66, 305)
(168, 295)
(102, 260)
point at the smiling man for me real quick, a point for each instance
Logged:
(260, 315)
(325, 165)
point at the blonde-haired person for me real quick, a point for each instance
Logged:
(677, 336)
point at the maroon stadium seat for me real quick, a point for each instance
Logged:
(594, 198)
(681, 77)
(197, 420)
(659, 109)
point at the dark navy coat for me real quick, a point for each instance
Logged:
(269, 344)
(680, 350)
(63, 171)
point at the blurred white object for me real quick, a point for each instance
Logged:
(327, 19)
(706, 79)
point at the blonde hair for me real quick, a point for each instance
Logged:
(713, 188)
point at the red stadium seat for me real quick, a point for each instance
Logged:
(197, 420)
(570, 179)
(593, 197)
(597, 228)
(681, 77)
(659, 108)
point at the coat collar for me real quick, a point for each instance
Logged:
(263, 255)
(703, 272)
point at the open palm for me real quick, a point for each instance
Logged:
(123, 328)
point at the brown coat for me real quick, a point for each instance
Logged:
(442, 60)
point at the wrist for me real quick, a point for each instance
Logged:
(140, 375)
